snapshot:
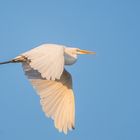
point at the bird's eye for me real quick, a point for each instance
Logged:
(78, 50)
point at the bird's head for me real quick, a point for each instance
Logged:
(72, 53)
(77, 51)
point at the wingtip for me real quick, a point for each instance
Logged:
(73, 127)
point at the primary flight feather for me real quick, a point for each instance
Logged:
(44, 67)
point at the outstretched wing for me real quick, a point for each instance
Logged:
(57, 97)
(48, 59)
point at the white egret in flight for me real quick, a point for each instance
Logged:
(44, 67)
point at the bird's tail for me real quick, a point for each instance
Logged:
(18, 59)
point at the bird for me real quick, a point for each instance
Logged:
(44, 68)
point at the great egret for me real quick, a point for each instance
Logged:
(44, 67)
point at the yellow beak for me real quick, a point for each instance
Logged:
(85, 52)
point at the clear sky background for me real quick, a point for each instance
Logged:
(107, 86)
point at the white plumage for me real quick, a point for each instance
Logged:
(44, 67)
(56, 97)
(43, 59)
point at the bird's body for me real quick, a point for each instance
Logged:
(44, 67)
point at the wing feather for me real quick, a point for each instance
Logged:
(56, 97)
(48, 59)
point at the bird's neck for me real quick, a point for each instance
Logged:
(70, 59)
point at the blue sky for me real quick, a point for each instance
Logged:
(106, 86)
